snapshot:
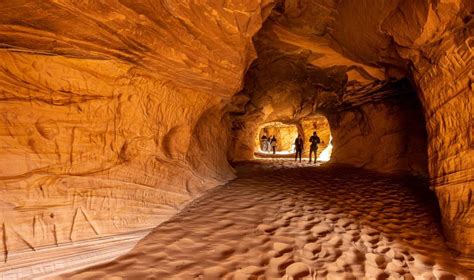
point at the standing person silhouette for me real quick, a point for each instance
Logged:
(263, 143)
(274, 144)
(269, 143)
(314, 139)
(298, 147)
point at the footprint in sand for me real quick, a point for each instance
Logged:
(335, 241)
(215, 272)
(332, 217)
(371, 239)
(225, 223)
(394, 267)
(354, 256)
(308, 217)
(221, 252)
(282, 248)
(321, 229)
(330, 253)
(291, 215)
(267, 228)
(278, 265)
(305, 225)
(301, 241)
(311, 250)
(297, 270)
(379, 261)
(343, 222)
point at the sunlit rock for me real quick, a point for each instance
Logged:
(114, 115)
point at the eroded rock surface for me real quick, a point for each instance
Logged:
(313, 223)
(114, 114)
(108, 112)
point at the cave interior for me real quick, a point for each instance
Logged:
(117, 115)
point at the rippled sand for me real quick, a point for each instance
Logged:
(292, 221)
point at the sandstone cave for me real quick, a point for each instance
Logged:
(286, 133)
(130, 135)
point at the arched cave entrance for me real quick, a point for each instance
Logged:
(286, 133)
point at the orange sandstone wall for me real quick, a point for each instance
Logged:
(389, 136)
(112, 115)
(438, 39)
(88, 151)
(447, 92)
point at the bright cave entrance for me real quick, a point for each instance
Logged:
(286, 133)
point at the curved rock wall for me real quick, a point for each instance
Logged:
(438, 39)
(445, 83)
(116, 153)
(113, 114)
(388, 136)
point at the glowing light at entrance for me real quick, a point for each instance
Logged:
(326, 153)
(286, 135)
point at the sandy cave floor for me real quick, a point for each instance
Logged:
(280, 220)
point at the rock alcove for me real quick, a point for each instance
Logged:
(116, 115)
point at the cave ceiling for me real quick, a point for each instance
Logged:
(321, 57)
(341, 47)
(204, 46)
(296, 56)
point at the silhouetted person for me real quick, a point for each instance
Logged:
(298, 147)
(273, 143)
(264, 143)
(314, 146)
(269, 143)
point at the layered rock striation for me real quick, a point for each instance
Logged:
(114, 115)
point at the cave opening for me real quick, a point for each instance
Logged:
(286, 134)
(146, 108)
(318, 123)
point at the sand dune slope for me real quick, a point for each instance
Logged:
(280, 222)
